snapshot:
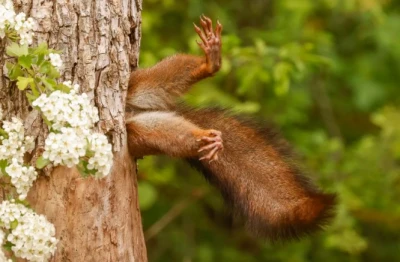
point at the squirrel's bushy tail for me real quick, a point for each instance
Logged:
(259, 180)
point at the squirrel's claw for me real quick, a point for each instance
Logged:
(210, 43)
(214, 145)
(217, 144)
(212, 155)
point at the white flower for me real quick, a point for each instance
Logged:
(18, 23)
(11, 212)
(74, 88)
(55, 60)
(65, 148)
(31, 234)
(69, 110)
(33, 238)
(24, 28)
(13, 147)
(7, 16)
(40, 101)
(22, 177)
(71, 120)
(8, 4)
(102, 158)
(16, 144)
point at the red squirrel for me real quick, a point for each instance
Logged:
(248, 163)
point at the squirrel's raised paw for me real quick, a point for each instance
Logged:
(213, 145)
(210, 42)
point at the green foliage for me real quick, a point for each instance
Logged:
(148, 195)
(327, 73)
(16, 50)
(3, 165)
(31, 70)
(41, 162)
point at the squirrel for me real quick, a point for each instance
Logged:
(250, 165)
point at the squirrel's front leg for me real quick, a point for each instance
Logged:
(157, 87)
(158, 132)
(211, 45)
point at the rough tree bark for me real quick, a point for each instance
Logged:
(95, 220)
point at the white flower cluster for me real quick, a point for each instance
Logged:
(31, 234)
(15, 144)
(10, 20)
(55, 60)
(7, 16)
(33, 238)
(13, 147)
(68, 110)
(24, 28)
(11, 212)
(65, 148)
(74, 88)
(72, 118)
(102, 154)
(22, 177)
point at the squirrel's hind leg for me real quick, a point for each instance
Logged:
(161, 132)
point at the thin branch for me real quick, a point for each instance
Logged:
(325, 105)
(173, 213)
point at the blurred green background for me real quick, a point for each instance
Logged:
(327, 73)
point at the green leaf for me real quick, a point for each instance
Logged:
(31, 97)
(247, 80)
(15, 72)
(83, 170)
(53, 72)
(50, 84)
(281, 73)
(25, 61)
(15, 50)
(8, 245)
(282, 87)
(3, 165)
(23, 82)
(41, 162)
(14, 224)
(23, 202)
(39, 85)
(282, 70)
(48, 123)
(34, 89)
(9, 66)
(88, 171)
(39, 59)
(45, 67)
(148, 195)
(63, 88)
(41, 49)
(3, 133)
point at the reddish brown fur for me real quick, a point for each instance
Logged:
(157, 87)
(259, 179)
(255, 173)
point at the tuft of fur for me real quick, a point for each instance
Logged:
(258, 178)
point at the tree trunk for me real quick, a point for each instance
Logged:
(95, 220)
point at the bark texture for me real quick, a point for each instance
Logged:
(95, 220)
